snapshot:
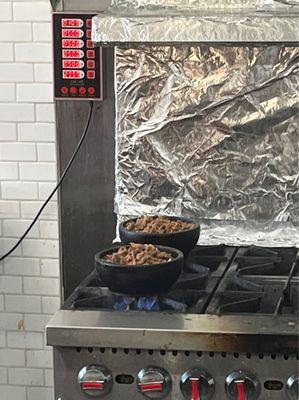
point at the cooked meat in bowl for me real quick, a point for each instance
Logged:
(156, 224)
(138, 254)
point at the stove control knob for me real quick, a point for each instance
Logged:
(95, 380)
(242, 385)
(293, 387)
(197, 384)
(154, 382)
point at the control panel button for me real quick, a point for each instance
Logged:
(88, 33)
(197, 384)
(91, 64)
(91, 74)
(90, 54)
(64, 90)
(292, 387)
(95, 380)
(72, 53)
(88, 23)
(91, 90)
(154, 382)
(73, 90)
(71, 23)
(242, 385)
(82, 90)
(89, 44)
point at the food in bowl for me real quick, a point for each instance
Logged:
(138, 254)
(156, 224)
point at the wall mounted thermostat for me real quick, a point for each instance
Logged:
(78, 65)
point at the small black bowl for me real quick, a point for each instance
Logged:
(184, 241)
(139, 280)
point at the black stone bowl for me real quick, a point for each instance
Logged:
(184, 241)
(139, 280)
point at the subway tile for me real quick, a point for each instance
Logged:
(26, 376)
(12, 392)
(33, 52)
(39, 358)
(36, 132)
(25, 340)
(20, 303)
(40, 248)
(9, 171)
(50, 267)
(16, 112)
(19, 190)
(13, 358)
(22, 266)
(42, 286)
(32, 11)
(17, 151)
(15, 31)
(34, 92)
(9, 209)
(38, 171)
(10, 284)
(17, 227)
(8, 131)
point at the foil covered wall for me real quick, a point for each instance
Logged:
(211, 132)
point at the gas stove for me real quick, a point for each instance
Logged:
(228, 329)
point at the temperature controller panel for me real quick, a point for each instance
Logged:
(78, 66)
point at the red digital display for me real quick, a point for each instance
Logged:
(72, 33)
(72, 43)
(72, 74)
(72, 53)
(76, 64)
(71, 22)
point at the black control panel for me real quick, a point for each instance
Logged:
(78, 65)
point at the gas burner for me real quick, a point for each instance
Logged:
(261, 261)
(191, 293)
(256, 283)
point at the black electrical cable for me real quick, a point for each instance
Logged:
(56, 187)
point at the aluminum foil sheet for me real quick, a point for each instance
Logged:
(203, 4)
(211, 132)
(197, 21)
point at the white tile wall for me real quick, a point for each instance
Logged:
(29, 278)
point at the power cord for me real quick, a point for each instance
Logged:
(56, 187)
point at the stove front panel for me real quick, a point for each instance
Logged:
(271, 370)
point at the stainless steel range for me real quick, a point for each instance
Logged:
(195, 114)
(227, 330)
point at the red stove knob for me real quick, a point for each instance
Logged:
(242, 385)
(197, 384)
(154, 382)
(95, 380)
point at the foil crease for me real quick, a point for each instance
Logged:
(197, 21)
(210, 132)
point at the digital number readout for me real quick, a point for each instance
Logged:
(72, 74)
(72, 43)
(71, 23)
(76, 64)
(72, 53)
(72, 33)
